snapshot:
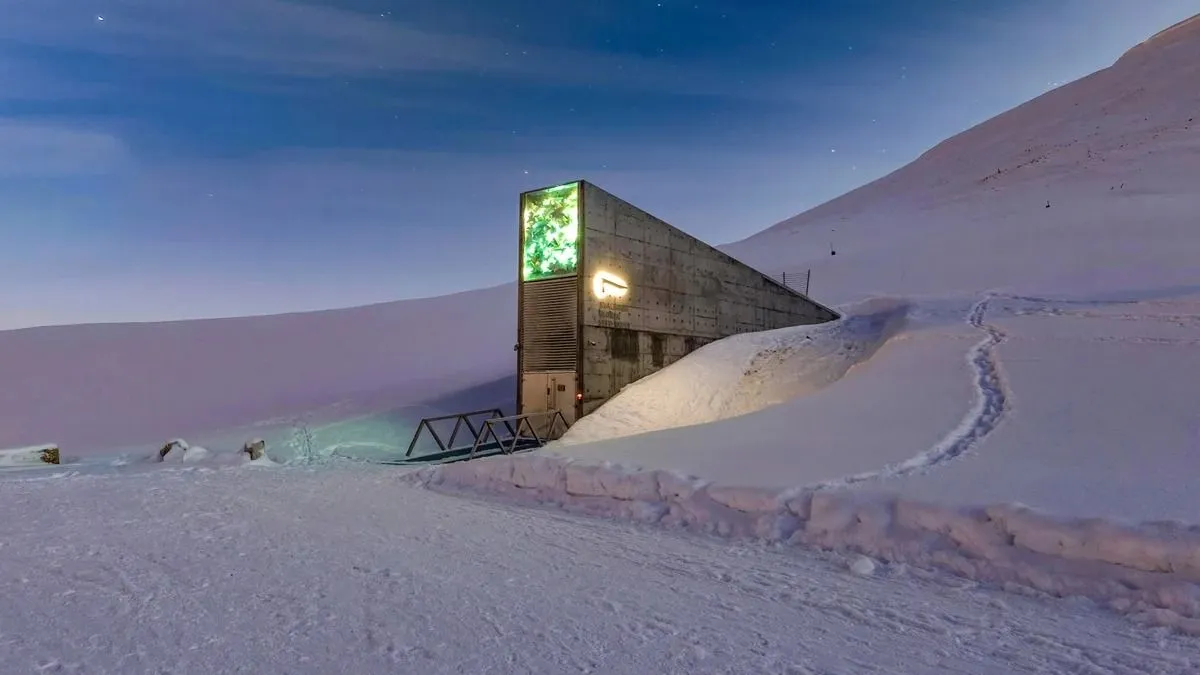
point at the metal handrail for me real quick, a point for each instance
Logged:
(492, 429)
(461, 420)
(523, 422)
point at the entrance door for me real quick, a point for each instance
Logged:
(541, 392)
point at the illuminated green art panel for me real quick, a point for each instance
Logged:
(551, 230)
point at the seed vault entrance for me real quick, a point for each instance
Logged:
(610, 294)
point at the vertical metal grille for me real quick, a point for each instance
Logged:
(550, 325)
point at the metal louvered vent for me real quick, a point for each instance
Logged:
(550, 325)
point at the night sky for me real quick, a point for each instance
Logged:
(166, 159)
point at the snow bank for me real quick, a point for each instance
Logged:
(1151, 571)
(745, 373)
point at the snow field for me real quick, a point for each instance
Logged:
(1101, 418)
(192, 569)
(1151, 573)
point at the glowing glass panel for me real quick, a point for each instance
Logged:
(550, 221)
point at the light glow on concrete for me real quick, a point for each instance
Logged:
(606, 285)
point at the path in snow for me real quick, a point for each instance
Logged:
(991, 405)
(1107, 422)
(991, 396)
(795, 426)
(340, 570)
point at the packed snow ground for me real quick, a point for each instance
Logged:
(346, 570)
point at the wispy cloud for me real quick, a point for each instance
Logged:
(41, 149)
(24, 80)
(284, 37)
(294, 39)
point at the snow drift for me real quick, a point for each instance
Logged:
(1151, 572)
(745, 373)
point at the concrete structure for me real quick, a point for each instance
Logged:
(610, 294)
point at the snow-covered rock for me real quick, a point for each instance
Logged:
(862, 566)
(30, 456)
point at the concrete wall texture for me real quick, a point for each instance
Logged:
(682, 294)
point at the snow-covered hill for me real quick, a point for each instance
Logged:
(1113, 154)
(1058, 344)
(96, 388)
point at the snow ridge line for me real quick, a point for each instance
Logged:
(990, 407)
(1038, 300)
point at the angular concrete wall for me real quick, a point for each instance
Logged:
(682, 294)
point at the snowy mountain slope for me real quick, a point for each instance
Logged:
(1114, 154)
(94, 388)
(1180, 32)
(1068, 389)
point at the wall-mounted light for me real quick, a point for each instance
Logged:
(607, 285)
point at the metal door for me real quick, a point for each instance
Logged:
(542, 392)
